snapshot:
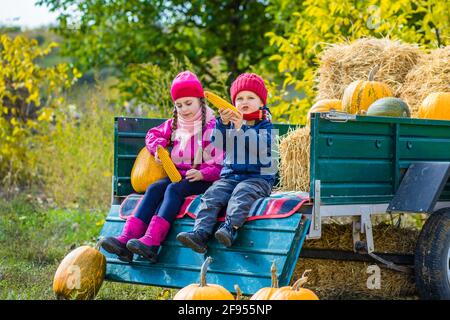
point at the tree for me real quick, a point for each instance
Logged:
(103, 33)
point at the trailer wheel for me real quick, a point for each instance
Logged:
(432, 257)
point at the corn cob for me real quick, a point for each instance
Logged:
(168, 165)
(219, 102)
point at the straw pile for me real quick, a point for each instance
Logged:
(341, 64)
(332, 279)
(431, 74)
(294, 160)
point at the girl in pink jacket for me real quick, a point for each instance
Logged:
(188, 133)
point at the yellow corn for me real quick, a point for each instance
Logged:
(219, 102)
(168, 165)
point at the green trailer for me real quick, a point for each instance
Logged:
(360, 166)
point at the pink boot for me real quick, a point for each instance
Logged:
(148, 245)
(134, 228)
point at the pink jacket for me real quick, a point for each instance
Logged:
(183, 159)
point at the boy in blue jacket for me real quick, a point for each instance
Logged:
(248, 171)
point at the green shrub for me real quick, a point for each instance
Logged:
(29, 97)
(75, 160)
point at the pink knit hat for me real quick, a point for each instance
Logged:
(186, 84)
(249, 82)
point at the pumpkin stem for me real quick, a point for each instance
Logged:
(98, 244)
(300, 282)
(373, 72)
(273, 271)
(203, 270)
(238, 292)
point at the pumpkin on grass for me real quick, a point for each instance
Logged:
(204, 291)
(360, 94)
(296, 292)
(266, 293)
(436, 106)
(145, 171)
(325, 105)
(80, 274)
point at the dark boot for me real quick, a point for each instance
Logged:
(149, 253)
(148, 245)
(226, 234)
(196, 240)
(134, 228)
(114, 246)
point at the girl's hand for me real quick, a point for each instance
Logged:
(237, 119)
(194, 175)
(156, 156)
(225, 115)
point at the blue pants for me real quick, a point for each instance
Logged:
(238, 196)
(165, 198)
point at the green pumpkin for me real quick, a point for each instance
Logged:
(389, 107)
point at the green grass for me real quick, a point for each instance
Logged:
(34, 240)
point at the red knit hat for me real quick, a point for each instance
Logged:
(249, 82)
(186, 84)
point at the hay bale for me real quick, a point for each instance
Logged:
(337, 280)
(431, 74)
(341, 64)
(294, 160)
(387, 237)
(332, 279)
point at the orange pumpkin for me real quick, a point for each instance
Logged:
(266, 293)
(296, 292)
(204, 291)
(360, 94)
(145, 171)
(436, 106)
(80, 274)
(325, 105)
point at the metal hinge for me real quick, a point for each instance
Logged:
(337, 116)
(315, 229)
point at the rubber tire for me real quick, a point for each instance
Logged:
(431, 257)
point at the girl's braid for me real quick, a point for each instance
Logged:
(174, 127)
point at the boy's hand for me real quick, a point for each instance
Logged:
(225, 115)
(194, 175)
(237, 119)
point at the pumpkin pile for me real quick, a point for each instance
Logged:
(204, 291)
(373, 77)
